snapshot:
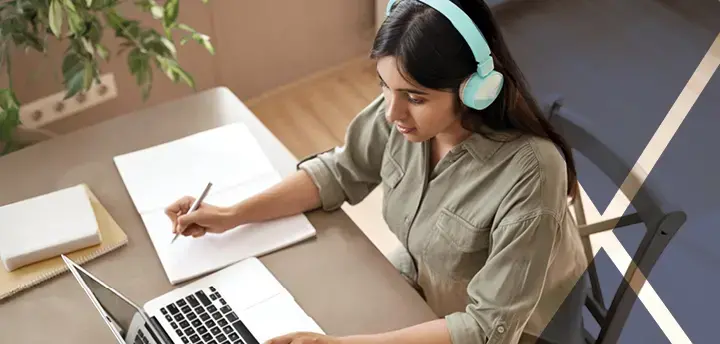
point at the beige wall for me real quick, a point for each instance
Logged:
(259, 45)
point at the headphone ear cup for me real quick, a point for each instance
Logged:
(478, 92)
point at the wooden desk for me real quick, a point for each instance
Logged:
(339, 278)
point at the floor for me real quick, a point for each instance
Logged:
(311, 116)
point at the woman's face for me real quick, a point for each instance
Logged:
(418, 113)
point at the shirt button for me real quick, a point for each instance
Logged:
(501, 329)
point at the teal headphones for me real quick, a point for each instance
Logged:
(481, 88)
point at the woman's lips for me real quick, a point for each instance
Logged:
(404, 130)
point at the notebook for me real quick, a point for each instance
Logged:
(46, 226)
(112, 237)
(232, 159)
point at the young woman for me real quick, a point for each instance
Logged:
(476, 185)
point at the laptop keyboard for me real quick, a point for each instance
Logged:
(203, 318)
(141, 338)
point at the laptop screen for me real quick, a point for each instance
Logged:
(119, 310)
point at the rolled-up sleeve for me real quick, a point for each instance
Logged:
(506, 291)
(350, 172)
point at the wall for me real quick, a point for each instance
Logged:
(259, 45)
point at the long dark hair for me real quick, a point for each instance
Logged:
(433, 53)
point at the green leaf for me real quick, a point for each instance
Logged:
(205, 41)
(172, 8)
(185, 76)
(74, 85)
(77, 25)
(56, 17)
(89, 3)
(157, 12)
(88, 76)
(73, 68)
(9, 120)
(8, 99)
(95, 30)
(186, 28)
(87, 45)
(102, 52)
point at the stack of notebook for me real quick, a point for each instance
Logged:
(36, 231)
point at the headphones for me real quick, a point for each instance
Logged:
(481, 88)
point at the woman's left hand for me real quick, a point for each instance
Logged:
(304, 338)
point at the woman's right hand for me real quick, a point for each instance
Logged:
(207, 218)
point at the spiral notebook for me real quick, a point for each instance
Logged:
(112, 237)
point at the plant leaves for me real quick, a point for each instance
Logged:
(73, 74)
(102, 52)
(205, 41)
(56, 17)
(94, 30)
(77, 25)
(9, 120)
(157, 12)
(172, 8)
(88, 76)
(87, 45)
(89, 3)
(8, 99)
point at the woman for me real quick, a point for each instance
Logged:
(476, 189)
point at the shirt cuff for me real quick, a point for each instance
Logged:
(464, 329)
(331, 193)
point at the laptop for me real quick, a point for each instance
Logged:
(242, 303)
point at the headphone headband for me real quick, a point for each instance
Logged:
(465, 26)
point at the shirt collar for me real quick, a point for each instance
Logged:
(482, 146)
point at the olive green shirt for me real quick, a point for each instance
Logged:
(488, 237)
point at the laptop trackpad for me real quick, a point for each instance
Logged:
(277, 316)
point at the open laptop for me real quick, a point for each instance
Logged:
(242, 303)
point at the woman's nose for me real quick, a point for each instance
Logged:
(395, 111)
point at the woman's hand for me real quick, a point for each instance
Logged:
(304, 338)
(207, 218)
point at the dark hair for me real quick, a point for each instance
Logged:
(430, 50)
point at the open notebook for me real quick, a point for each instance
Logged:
(229, 157)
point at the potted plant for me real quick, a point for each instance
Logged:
(26, 25)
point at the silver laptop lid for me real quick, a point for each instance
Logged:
(128, 322)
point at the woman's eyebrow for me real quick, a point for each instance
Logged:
(408, 90)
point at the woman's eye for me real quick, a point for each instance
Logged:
(416, 101)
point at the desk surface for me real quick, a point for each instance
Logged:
(339, 278)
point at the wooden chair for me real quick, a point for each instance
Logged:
(661, 220)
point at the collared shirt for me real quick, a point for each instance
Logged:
(488, 237)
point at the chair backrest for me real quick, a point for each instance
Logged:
(661, 220)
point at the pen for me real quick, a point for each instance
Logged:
(194, 206)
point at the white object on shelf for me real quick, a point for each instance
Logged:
(53, 107)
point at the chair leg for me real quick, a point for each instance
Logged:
(587, 246)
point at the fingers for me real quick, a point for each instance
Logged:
(179, 207)
(186, 220)
(296, 338)
(182, 206)
(194, 231)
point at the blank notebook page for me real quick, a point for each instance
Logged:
(230, 158)
(46, 226)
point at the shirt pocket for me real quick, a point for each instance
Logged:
(455, 248)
